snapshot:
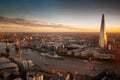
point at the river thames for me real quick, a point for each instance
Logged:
(69, 64)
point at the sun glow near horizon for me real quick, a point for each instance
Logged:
(20, 28)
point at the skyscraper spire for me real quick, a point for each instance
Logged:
(103, 36)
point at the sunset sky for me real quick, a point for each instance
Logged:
(58, 15)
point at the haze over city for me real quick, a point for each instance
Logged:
(59, 40)
(58, 15)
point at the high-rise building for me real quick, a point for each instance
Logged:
(103, 36)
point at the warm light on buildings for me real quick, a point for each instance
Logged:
(105, 40)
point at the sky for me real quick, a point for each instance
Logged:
(59, 15)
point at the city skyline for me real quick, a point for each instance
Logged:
(58, 15)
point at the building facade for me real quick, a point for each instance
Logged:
(103, 36)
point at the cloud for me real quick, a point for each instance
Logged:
(25, 22)
(20, 24)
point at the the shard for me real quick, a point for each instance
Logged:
(103, 36)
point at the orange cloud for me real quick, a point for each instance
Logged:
(23, 25)
(18, 24)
